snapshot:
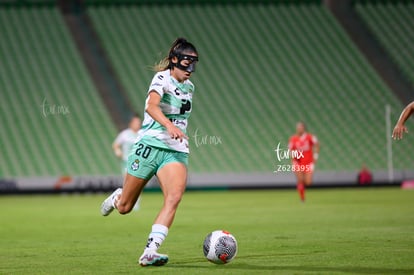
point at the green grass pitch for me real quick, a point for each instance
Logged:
(337, 231)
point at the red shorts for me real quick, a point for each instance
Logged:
(307, 167)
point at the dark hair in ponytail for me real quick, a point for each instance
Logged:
(179, 47)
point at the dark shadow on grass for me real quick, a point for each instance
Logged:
(295, 269)
(270, 265)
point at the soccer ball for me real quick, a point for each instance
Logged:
(220, 247)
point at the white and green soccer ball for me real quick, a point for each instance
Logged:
(220, 247)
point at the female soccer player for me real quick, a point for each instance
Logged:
(161, 147)
(400, 128)
(306, 149)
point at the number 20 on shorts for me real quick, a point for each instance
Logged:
(143, 151)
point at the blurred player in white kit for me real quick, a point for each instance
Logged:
(123, 143)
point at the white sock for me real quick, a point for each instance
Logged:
(158, 234)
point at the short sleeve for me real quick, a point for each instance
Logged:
(158, 83)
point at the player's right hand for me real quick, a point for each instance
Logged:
(399, 131)
(176, 133)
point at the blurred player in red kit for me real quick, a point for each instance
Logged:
(304, 148)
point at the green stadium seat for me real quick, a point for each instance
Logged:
(262, 68)
(41, 68)
(391, 23)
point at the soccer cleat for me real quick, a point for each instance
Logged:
(107, 206)
(153, 258)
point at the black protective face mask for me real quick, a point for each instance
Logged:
(190, 67)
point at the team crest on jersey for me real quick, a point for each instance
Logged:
(135, 165)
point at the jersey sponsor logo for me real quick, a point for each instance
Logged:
(178, 122)
(185, 106)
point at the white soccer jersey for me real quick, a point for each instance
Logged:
(126, 139)
(176, 105)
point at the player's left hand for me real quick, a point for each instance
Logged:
(315, 157)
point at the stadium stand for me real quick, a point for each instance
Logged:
(391, 23)
(52, 120)
(262, 68)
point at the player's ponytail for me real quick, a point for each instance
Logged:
(178, 47)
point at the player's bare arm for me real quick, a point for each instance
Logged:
(316, 151)
(400, 128)
(154, 110)
(117, 149)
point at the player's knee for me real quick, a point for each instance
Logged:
(308, 180)
(124, 208)
(173, 200)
